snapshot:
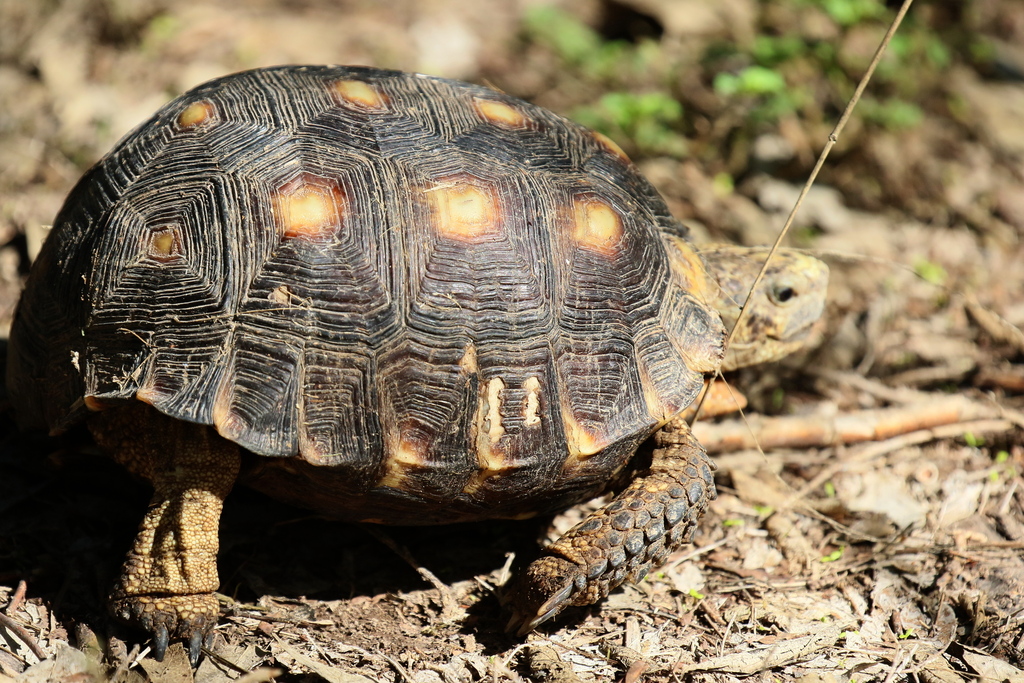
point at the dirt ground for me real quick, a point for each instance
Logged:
(880, 536)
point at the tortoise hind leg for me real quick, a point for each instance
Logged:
(169, 577)
(621, 541)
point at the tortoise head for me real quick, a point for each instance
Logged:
(788, 301)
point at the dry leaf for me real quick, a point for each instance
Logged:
(989, 669)
(67, 664)
(778, 654)
(326, 672)
(174, 669)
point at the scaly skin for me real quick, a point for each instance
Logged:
(169, 577)
(621, 541)
(659, 510)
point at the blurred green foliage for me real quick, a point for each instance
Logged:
(752, 80)
(850, 12)
(642, 94)
(893, 114)
(649, 120)
(582, 48)
(930, 272)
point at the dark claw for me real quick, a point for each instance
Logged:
(195, 646)
(523, 623)
(160, 640)
(549, 585)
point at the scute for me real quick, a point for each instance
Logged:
(449, 302)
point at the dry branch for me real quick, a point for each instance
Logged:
(806, 431)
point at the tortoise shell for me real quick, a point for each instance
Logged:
(424, 300)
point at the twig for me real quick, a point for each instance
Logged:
(18, 597)
(778, 654)
(833, 138)
(681, 619)
(997, 327)
(939, 418)
(272, 619)
(225, 661)
(124, 664)
(899, 663)
(447, 599)
(873, 450)
(696, 552)
(25, 637)
(869, 385)
(507, 660)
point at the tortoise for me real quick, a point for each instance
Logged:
(391, 298)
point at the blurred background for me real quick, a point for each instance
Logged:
(724, 105)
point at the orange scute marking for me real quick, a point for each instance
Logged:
(468, 363)
(309, 210)
(196, 114)
(409, 453)
(95, 404)
(491, 457)
(582, 443)
(596, 226)
(610, 145)
(688, 269)
(499, 113)
(361, 94)
(149, 394)
(465, 212)
(225, 420)
(656, 405)
(164, 244)
(405, 454)
(586, 444)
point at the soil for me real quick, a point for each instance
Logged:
(880, 538)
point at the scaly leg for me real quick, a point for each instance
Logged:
(621, 541)
(169, 577)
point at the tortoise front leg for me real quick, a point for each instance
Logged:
(621, 541)
(169, 577)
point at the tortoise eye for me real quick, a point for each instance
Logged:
(782, 294)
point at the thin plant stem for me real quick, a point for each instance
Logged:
(832, 139)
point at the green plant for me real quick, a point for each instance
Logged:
(835, 555)
(765, 90)
(930, 272)
(893, 114)
(647, 120)
(850, 12)
(753, 80)
(582, 48)
(634, 108)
